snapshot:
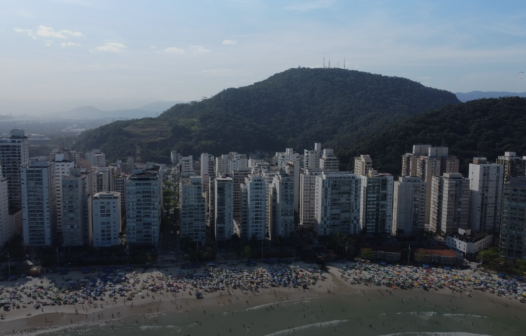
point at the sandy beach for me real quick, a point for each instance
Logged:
(334, 283)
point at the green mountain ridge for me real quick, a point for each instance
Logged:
(485, 127)
(294, 108)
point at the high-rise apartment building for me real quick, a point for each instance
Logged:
(409, 205)
(144, 205)
(513, 228)
(410, 160)
(239, 178)
(223, 208)
(207, 169)
(106, 217)
(376, 202)
(427, 161)
(7, 229)
(311, 158)
(187, 165)
(14, 153)
(486, 183)
(96, 158)
(253, 208)
(514, 166)
(292, 169)
(282, 158)
(119, 185)
(337, 203)
(77, 190)
(103, 180)
(282, 202)
(38, 202)
(450, 197)
(329, 161)
(174, 157)
(308, 196)
(192, 209)
(362, 164)
(62, 166)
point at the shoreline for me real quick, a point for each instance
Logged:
(64, 316)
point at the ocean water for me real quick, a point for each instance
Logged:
(404, 313)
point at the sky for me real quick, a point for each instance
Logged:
(116, 54)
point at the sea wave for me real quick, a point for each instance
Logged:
(453, 333)
(465, 315)
(424, 315)
(308, 326)
(277, 302)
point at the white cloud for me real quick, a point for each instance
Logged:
(311, 5)
(49, 43)
(198, 49)
(50, 32)
(28, 31)
(229, 42)
(111, 47)
(174, 51)
(72, 33)
(69, 44)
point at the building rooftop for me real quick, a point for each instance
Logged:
(442, 253)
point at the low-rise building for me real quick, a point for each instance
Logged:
(441, 257)
(469, 243)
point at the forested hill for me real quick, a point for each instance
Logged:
(485, 127)
(294, 108)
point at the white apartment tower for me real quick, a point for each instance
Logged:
(14, 153)
(38, 202)
(77, 190)
(486, 184)
(103, 179)
(7, 230)
(329, 161)
(282, 201)
(409, 205)
(308, 196)
(450, 197)
(224, 208)
(96, 158)
(337, 203)
(311, 158)
(376, 203)
(207, 170)
(362, 164)
(254, 209)
(192, 209)
(62, 167)
(106, 217)
(187, 165)
(144, 205)
(282, 158)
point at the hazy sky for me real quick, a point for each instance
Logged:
(120, 54)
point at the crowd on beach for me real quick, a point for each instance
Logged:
(427, 278)
(112, 285)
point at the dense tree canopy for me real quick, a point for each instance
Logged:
(485, 127)
(294, 108)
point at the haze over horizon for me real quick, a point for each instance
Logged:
(61, 54)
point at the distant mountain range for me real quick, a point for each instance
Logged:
(89, 112)
(467, 96)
